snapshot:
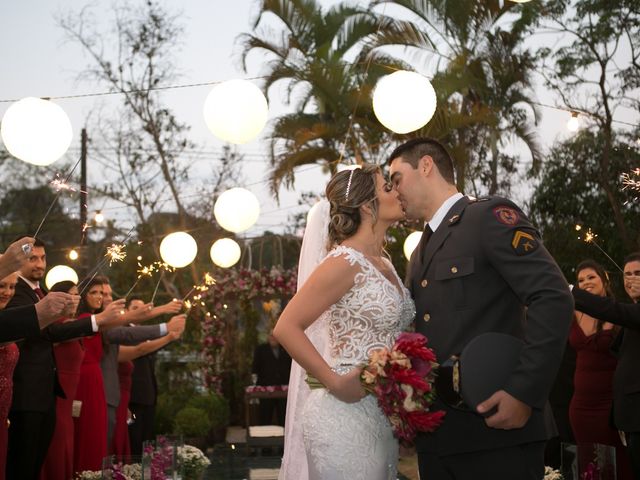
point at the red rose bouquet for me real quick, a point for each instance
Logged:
(402, 381)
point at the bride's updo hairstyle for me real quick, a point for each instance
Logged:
(347, 191)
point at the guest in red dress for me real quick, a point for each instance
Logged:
(590, 407)
(120, 445)
(58, 464)
(90, 427)
(8, 359)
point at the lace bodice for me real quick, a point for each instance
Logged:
(370, 315)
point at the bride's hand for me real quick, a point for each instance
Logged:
(348, 387)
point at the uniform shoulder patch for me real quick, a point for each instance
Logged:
(506, 215)
(523, 242)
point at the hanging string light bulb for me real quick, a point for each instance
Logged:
(574, 122)
(99, 217)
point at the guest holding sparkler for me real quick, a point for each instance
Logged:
(36, 383)
(120, 445)
(27, 320)
(590, 407)
(131, 336)
(8, 359)
(58, 464)
(626, 379)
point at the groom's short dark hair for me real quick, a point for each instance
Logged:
(413, 150)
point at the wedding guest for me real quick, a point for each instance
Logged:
(271, 365)
(626, 379)
(25, 321)
(590, 407)
(144, 391)
(120, 444)
(90, 425)
(8, 359)
(131, 335)
(35, 378)
(58, 464)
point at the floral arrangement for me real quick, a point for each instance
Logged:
(118, 471)
(266, 388)
(551, 474)
(402, 381)
(192, 461)
(230, 286)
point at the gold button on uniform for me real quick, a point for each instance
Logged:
(454, 269)
(424, 283)
(426, 317)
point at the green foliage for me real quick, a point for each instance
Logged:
(216, 407)
(569, 193)
(192, 422)
(312, 53)
(483, 82)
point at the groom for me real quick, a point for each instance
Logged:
(481, 267)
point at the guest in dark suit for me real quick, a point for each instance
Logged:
(130, 335)
(483, 269)
(35, 380)
(271, 365)
(26, 321)
(144, 389)
(626, 379)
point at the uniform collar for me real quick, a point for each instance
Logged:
(437, 218)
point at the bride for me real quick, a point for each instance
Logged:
(356, 295)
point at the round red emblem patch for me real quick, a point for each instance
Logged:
(506, 215)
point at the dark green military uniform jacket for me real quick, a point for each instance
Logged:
(485, 269)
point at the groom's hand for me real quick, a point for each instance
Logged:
(511, 412)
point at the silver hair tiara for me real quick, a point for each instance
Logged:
(346, 195)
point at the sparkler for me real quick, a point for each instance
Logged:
(590, 237)
(148, 271)
(203, 287)
(115, 253)
(631, 183)
(55, 199)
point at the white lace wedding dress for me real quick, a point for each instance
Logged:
(354, 441)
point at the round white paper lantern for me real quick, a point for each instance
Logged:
(236, 210)
(225, 252)
(178, 249)
(60, 273)
(404, 101)
(410, 244)
(36, 131)
(236, 111)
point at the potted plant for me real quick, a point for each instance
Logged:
(194, 423)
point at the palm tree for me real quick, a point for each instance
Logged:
(313, 52)
(484, 89)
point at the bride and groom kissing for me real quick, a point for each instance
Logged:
(480, 267)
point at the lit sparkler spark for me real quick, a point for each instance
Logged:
(590, 236)
(631, 183)
(149, 270)
(208, 279)
(116, 253)
(59, 184)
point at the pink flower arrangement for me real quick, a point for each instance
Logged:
(402, 381)
(266, 388)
